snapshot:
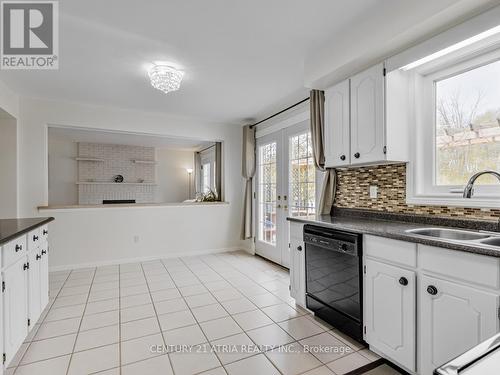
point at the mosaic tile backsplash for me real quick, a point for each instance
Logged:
(353, 192)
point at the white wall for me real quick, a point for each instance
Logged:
(171, 175)
(63, 171)
(8, 167)
(90, 236)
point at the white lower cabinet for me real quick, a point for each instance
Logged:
(421, 307)
(297, 271)
(15, 307)
(44, 274)
(390, 311)
(25, 289)
(34, 291)
(297, 264)
(453, 319)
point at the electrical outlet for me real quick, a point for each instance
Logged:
(373, 191)
(136, 239)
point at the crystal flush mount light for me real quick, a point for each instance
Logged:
(165, 78)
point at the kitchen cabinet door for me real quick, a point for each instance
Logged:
(297, 271)
(15, 307)
(389, 311)
(337, 125)
(34, 295)
(453, 319)
(367, 116)
(44, 275)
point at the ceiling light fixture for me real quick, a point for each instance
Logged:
(165, 78)
(453, 48)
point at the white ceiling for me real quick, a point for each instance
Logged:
(126, 138)
(242, 59)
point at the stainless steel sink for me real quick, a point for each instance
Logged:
(451, 234)
(492, 241)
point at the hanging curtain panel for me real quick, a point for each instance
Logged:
(317, 109)
(248, 171)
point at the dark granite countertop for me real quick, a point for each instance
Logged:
(397, 230)
(13, 228)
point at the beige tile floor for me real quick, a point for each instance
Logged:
(217, 314)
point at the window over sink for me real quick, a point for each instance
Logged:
(467, 125)
(456, 126)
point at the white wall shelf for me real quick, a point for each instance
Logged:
(116, 183)
(144, 161)
(88, 159)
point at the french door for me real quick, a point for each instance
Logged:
(285, 186)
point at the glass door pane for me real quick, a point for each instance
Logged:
(267, 187)
(301, 175)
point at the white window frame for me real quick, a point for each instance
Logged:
(208, 157)
(421, 171)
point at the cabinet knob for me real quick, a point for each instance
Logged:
(299, 248)
(35, 238)
(342, 157)
(26, 266)
(18, 248)
(45, 232)
(432, 290)
(357, 155)
(38, 257)
(403, 281)
(44, 252)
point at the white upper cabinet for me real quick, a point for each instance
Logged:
(337, 132)
(366, 119)
(367, 116)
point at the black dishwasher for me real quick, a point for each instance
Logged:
(334, 278)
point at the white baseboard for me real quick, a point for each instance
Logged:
(177, 254)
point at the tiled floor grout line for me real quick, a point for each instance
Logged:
(295, 340)
(203, 268)
(81, 320)
(229, 314)
(157, 319)
(191, 312)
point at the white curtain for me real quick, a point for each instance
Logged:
(328, 188)
(248, 171)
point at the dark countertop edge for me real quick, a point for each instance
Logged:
(403, 236)
(43, 221)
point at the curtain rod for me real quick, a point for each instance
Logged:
(280, 112)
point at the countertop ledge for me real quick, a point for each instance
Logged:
(128, 205)
(13, 228)
(395, 230)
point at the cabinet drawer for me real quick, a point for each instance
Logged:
(394, 251)
(472, 268)
(34, 239)
(13, 250)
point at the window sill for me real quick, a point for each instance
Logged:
(79, 207)
(446, 200)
